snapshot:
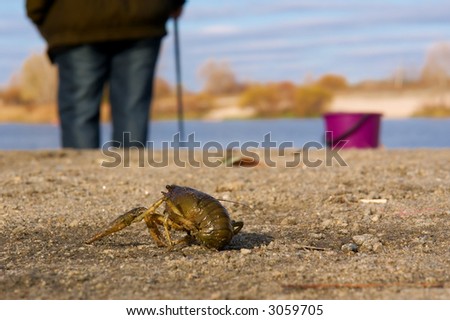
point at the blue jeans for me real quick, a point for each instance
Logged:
(128, 67)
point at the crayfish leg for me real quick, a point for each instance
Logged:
(187, 240)
(237, 226)
(177, 217)
(152, 223)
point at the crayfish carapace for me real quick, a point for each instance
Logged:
(200, 215)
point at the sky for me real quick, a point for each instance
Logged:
(266, 40)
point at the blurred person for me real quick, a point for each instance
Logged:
(94, 42)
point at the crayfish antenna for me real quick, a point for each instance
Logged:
(235, 202)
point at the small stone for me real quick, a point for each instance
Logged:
(215, 295)
(245, 251)
(230, 186)
(191, 276)
(18, 229)
(349, 247)
(317, 236)
(327, 223)
(368, 242)
(361, 239)
(288, 221)
(377, 247)
(74, 224)
(342, 223)
(226, 196)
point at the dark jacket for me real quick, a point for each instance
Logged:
(73, 22)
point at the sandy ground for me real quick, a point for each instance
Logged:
(307, 234)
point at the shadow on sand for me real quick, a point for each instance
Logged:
(249, 240)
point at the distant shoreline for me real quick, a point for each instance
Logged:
(392, 104)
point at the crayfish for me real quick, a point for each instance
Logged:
(200, 215)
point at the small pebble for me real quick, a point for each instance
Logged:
(327, 223)
(225, 196)
(74, 224)
(375, 218)
(317, 236)
(18, 229)
(288, 221)
(361, 239)
(349, 247)
(230, 186)
(368, 242)
(215, 295)
(245, 251)
(377, 247)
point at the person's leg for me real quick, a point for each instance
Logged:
(82, 74)
(131, 84)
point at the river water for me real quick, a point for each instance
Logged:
(405, 133)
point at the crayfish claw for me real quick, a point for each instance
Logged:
(120, 222)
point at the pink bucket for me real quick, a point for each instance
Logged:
(360, 130)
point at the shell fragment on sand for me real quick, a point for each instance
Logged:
(379, 201)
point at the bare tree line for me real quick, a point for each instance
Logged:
(36, 83)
